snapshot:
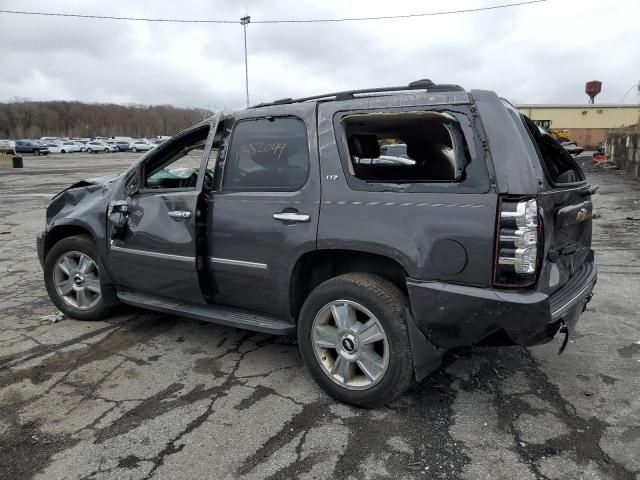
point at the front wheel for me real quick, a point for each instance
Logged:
(352, 335)
(36, 152)
(134, 149)
(73, 280)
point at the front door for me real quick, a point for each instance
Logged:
(264, 214)
(153, 232)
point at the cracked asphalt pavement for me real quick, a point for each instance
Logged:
(147, 395)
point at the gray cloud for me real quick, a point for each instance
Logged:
(538, 53)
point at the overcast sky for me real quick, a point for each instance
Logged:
(538, 53)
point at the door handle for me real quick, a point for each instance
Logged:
(292, 217)
(179, 214)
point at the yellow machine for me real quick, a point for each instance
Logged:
(559, 133)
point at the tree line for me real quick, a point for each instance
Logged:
(30, 119)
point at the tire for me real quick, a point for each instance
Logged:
(89, 306)
(374, 299)
(134, 149)
(63, 151)
(106, 150)
(36, 153)
(89, 150)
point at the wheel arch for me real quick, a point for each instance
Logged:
(317, 266)
(60, 232)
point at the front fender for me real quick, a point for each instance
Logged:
(81, 208)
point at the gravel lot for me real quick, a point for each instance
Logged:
(146, 395)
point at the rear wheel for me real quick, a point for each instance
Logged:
(134, 149)
(73, 280)
(36, 152)
(352, 334)
(106, 150)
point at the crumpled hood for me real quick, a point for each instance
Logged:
(91, 182)
(104, 180)
(85, 194)
(99, 181)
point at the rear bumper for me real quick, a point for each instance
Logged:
(456, 315)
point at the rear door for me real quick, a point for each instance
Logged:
(263, 216)
(565, 201)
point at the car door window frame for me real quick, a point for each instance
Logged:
(140, 171)
(228, 143)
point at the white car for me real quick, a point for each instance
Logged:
(96, 146)
(55, 147)
(141, 146)
(7, 146)
(69, 146)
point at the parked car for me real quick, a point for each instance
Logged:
(7, 146)
(55, 147)
(96, 146)
(141, 146)
(572, 147)
(113, 145)
(69, 146)
(123, 146)
(379, 269)
(31, 146)
(394, 150)
(390, 154)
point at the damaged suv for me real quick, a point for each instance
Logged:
(382, 226)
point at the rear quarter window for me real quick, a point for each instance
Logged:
(559, 166)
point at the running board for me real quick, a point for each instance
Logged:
(230, 317)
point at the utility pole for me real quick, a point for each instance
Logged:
(244, 21)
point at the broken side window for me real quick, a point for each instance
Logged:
(405, 148)
(559, 165)
(176, 164)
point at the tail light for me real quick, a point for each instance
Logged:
(516, 259)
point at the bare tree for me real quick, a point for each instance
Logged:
(23, 118)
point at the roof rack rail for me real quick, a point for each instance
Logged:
(423, 84)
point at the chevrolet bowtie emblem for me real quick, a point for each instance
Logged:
(583, 214)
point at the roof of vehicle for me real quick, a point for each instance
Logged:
(424, 85)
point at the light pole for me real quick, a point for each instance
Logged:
(244, 21)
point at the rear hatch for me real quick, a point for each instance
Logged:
(566, 211)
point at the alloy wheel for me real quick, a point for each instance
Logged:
(77, 280)
(350, 344)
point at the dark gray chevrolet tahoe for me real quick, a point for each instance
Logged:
(283, 218)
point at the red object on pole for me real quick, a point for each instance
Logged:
(593, 88)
